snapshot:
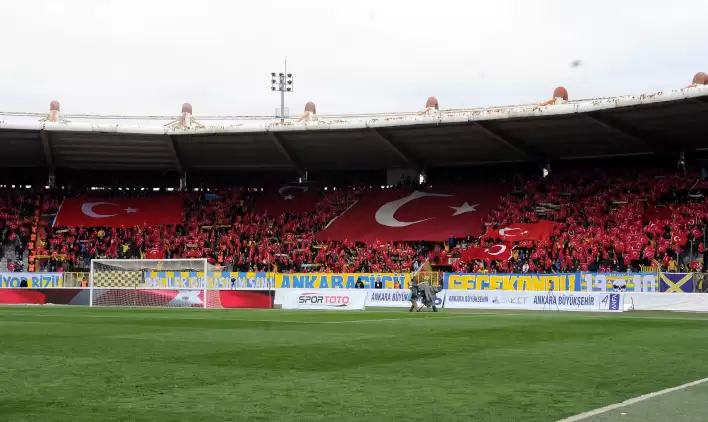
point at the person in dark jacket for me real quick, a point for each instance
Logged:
(415, 295)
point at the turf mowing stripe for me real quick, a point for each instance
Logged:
(412, 318)
(27, 310)
(626, 403)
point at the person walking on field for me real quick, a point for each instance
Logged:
(415, 295)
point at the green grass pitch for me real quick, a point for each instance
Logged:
(89, 364)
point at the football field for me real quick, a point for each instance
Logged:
(93, 364)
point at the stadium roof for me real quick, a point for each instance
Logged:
(656, 123)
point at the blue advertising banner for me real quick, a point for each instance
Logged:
(216, 280)
(570, 282)
(31, 280)
(620, 282)
(676, 282)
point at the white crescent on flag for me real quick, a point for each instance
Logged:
(87, 208)
(385, 214)
(501, 249)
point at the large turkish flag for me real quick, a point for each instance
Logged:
(518, 232)
(288, 199)
(117, 212)
(406, 215)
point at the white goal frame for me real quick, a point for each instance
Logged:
(197, 263)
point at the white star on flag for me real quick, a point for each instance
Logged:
(286, 197)
(464, 208)
(186, 298)
(130, 210)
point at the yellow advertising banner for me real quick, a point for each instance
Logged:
(340, 280)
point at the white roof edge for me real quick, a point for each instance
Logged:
(456, 116)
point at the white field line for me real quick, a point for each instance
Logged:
(351, 321)
(629, 402)
(30, 311)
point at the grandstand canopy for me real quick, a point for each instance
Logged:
(648, 124)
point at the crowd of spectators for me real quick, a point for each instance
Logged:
(16, 218)
(630, 221)
(223, 227)
(606, 222)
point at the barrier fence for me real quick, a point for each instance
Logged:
(566, 282)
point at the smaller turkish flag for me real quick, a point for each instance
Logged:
(117, 212)
(288, 199)
(495, 253)
(155, 253)
(518, 232)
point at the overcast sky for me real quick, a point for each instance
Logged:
(147, 57)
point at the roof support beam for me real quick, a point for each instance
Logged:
(47, 147)
(414, 163)
(659, 146)
(172, 148)
(287, 154)
(534, 154)
(701, 101)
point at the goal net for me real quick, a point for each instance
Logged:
(182, 283)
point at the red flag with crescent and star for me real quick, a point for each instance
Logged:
(518, 232)
(154, 253)
(293, 199)
(433, 214)
(117, 212)
(499, 252)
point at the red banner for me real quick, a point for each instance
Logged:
(226, 298)
(288, 199)
(404, 215)
(117, 212)
(493, 253)
(246, 299)
(44, 296)
(518, 232)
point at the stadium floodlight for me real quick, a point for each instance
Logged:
(283, 83)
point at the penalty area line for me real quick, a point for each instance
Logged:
(632, 401)
(358, 321)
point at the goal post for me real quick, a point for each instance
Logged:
(152, 283)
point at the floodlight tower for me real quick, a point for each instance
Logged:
(282, 82)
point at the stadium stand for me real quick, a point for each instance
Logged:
(605, 222)
(602, 220)
(18, 225)
(225, 227)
